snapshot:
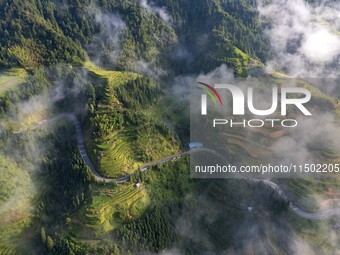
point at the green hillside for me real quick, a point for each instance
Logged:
(11, 79)
(15, 205)
(71, 32)
(122, 135)
(111, 206)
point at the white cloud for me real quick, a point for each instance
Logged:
(105, 49)
(157, 10)
(303, 37)
(321, 46)
(147, 68)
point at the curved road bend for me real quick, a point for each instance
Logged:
(81, 148)
(80, 140)
(85, 157)
(293, 207)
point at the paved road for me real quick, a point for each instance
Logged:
(292, 206)
(87, 160)
(81, 148)
(80, 141)
(317, 215)
(84, 155)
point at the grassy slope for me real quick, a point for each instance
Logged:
(11, 78)
(11, 81)
(14, 181)
(14, 204)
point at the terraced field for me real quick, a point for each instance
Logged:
(109, 208)
(117, 155)
(120, 151)
(114, 78)
(115, 150)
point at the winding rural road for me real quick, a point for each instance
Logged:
(80, 141)
(293, 207)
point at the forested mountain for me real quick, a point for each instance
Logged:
(31, 35)
(199, 35)
(45, 32)
(219, 31)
